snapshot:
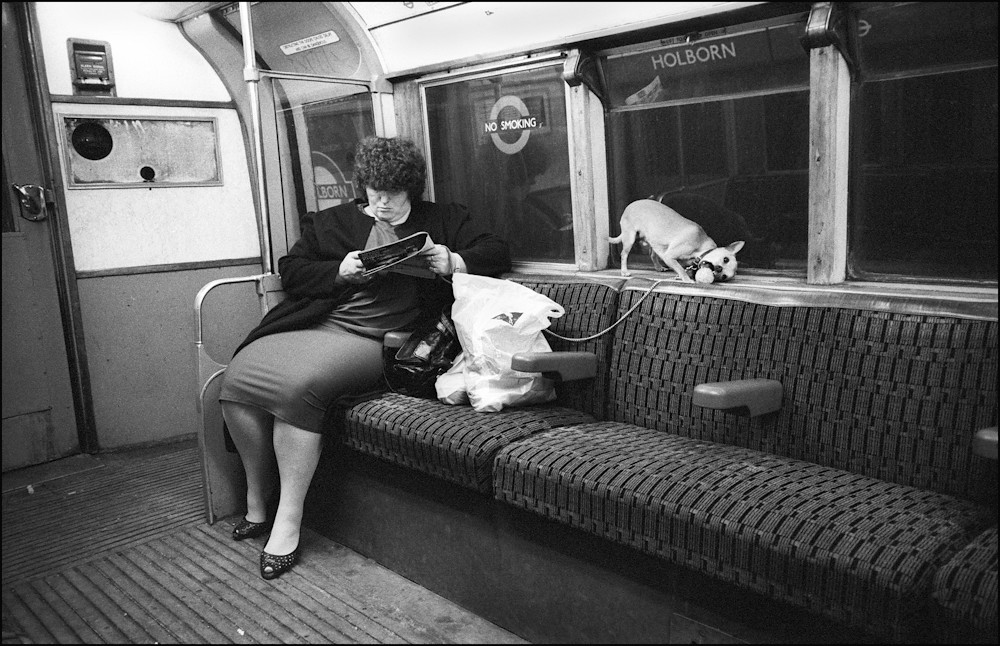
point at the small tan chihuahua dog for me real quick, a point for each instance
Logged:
(676, 240)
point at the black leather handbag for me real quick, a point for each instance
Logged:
(428, 353)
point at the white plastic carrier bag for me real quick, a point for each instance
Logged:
(495, 319)
(450, 386)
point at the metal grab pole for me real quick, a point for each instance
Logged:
(252, 76)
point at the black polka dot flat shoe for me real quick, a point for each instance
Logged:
(247, 529)
(271, 566)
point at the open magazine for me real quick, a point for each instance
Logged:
(399, 256)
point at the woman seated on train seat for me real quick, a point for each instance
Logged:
(325, 341)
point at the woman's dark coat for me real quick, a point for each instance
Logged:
(309, 270)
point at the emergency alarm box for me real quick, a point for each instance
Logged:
(91, 68)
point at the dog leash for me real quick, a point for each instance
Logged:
(613, 325)
(607, 329)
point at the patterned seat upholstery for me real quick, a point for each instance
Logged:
(965, 588)
(844, 502)
(854, 501)
(853, 548)
(591, 307)
(890, 395)
(458, 444)
(454, 443)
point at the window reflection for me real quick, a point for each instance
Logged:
(317, 127)
(720, 134)
(737, 167)
(499, 145)
(925, 190)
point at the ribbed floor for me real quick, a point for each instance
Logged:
(132, 498)
(122, 554)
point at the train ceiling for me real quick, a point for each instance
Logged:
(412, 37)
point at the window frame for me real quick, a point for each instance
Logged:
(831, 141)
(586, 151)
(743, 31)
(859, 268)
(283, 231)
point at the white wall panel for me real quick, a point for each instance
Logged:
(113, 228)
(151, 58)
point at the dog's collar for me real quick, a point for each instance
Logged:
(696, 265)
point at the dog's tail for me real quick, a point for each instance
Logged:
(616, 240)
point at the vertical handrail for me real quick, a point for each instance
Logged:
(252, 77)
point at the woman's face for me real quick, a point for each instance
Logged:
(388, 206)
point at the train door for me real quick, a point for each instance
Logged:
(39, 420)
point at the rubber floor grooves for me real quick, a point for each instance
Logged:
(72, 519)
(122, 554)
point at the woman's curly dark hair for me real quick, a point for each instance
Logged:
(390, 164)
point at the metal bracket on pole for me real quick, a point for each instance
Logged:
(580, 67)
(831, 23)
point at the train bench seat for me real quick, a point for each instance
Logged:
(846, 501)
(965, 591)
(861, 499)
(859, 550)
(458, 444)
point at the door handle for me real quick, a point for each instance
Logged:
(34, 200)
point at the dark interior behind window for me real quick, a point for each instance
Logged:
(498, 144)
(737, 167)
(716, 125)
(924, 196)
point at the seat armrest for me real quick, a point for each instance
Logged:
(396, 338)
(984, 444)
(751, 397)
(559, 366)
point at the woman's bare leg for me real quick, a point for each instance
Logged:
(297, 452)
(252, 429)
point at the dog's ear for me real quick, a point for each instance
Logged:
(735, 246)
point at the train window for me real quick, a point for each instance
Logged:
(925, 190)
(498, 144)
(317, 126)
(715, 125)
